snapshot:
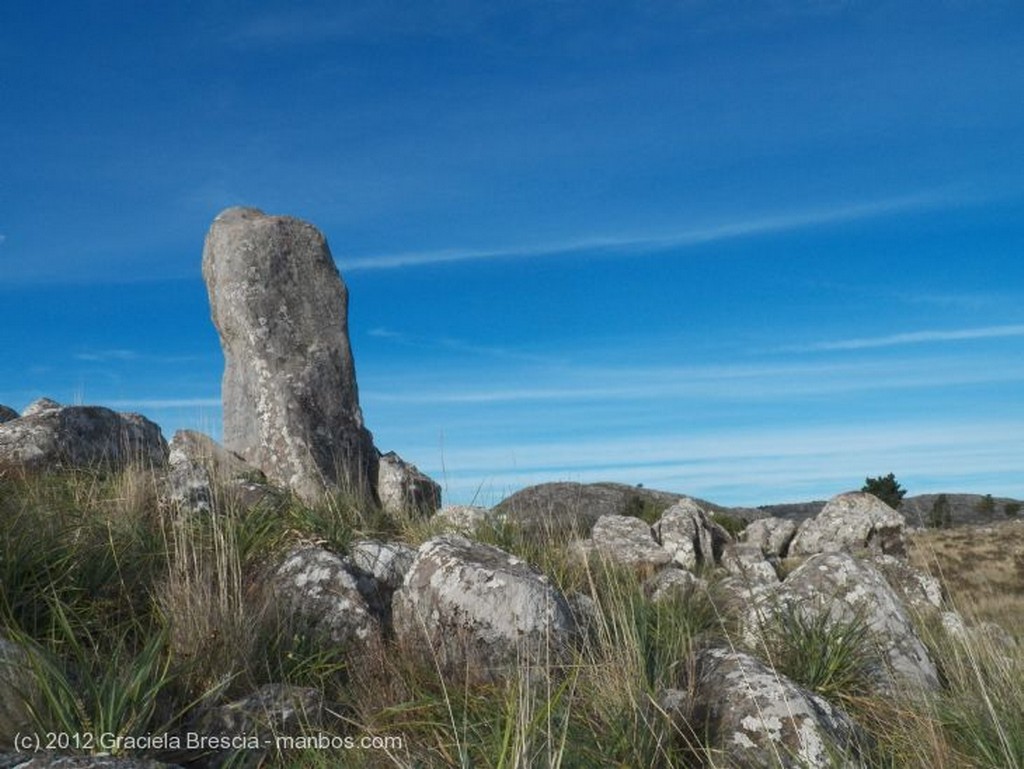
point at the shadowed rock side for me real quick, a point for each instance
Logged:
(48, 436)
(291, 405)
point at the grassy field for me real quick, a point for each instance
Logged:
(137, 619)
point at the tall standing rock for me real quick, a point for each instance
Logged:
(291, 406)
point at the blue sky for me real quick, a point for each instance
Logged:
(750, 251)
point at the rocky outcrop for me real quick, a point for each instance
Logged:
(379, 569)
(625, 541)
(50, 436)
(317, 594)
(463, 519)
(772, 535)
(402, 488)
(291, 404)
(849, 590)
(672, 584)
(476, 610)
(199, 470)
(687, 533)
(7, 414)
(748, 562)
(570, 510)
(852, 522)
(759, 718)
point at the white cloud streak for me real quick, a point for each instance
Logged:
(653, 243)
(164, 403)
(737, 382)
(913, 337)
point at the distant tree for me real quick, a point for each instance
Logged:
(941, 516)
(1011, 509)
(887, 489)
(986, 506)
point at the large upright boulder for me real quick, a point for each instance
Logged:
(291, 406)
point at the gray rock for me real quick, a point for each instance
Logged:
(379, 569)
(291, 405)
(463, 519)
(670, 584)
(475, 610)
(7, 414)
(748, 562)
(386, 562)
(314, 589)
(772, 535)
(39, 405)
(274, 709)
(81, 437)
(402, 488)
(759, 718)
(851, 522)
(689, 535)
(625, 541)
(850, 589)
(19, 691)
(919, 592)
(569, 510)
(199, 469)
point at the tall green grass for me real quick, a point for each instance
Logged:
(135, 618)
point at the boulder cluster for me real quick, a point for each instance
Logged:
(293, 425)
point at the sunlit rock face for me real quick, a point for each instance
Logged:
(291, 405)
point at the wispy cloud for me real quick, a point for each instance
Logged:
(636, 243)
(106, 356)
(164, 403)
(714, 383)
(451, 344)
(912, 337)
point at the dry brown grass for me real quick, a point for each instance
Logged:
(982, 567)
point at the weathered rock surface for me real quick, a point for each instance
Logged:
(748, 562)
(274, 709)
(379, 569)
(19, 691)
(760, 718)
(51, 436)
(315, 590)
(772, 535)
(569, 510)
(402, 488)
(39, 405)
(199, 469)
(672, 584)
(850, 590)
(625, 541)
(689, 535)
(851, 522)
(291, 404)
(463, 519)
(7, 414)
(479, 609)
